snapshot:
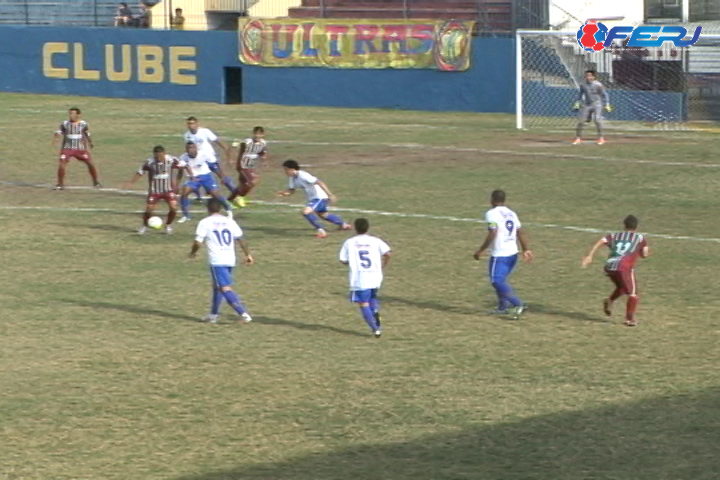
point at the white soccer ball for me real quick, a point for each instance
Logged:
(155, 222)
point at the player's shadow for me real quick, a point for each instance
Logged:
(278, 231)
(555, 312)
(136, 310)
(429, 305)
(668, 437)
(104, 227)
(262, 320)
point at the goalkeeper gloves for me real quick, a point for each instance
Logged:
(609, 108)
(576, 105)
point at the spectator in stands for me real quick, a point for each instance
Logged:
(144, 20)
(123, 15)
(178, 21)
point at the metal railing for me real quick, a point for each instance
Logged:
(490, 15)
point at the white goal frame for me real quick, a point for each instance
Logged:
(700, 61)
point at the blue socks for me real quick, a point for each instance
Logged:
(216, 301)
(506, 295)
(227, 181)
(185, 206)
(234, 300)
(332, 218)
(225, 203)
(369, 318)
(375, 305)
(313, 219)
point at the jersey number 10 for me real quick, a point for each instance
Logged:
(224, 237)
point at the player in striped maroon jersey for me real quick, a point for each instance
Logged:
(74, 136)
(625, 248)
(253, 150)
(162, 184)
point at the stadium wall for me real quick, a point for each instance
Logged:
(204, 66)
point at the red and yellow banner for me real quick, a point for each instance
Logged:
(355, 43)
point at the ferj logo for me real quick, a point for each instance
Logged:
(595, 36)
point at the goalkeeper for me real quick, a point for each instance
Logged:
(593, 100)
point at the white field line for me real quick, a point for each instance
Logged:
(355, 210)
(573, 156)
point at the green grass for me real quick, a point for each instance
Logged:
(106, 374)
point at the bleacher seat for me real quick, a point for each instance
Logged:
(493, 15)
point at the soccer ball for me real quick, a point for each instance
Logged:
(155, 222)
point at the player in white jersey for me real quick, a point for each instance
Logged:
(366, 256)
(504, 232)
(201, 177)
(206, 141)
(219, 234)
(317, 193)
(161, 168)
(252, 152)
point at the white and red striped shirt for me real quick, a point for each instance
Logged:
(253, 151)
(161, 178)
(74, 135)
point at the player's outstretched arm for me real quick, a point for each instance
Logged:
(195, 248)
(385, 259)
(130, 182)
(249, 260)
(286, 193)
(525, 245)
(591, 254)
(325, 188)
(492, 233)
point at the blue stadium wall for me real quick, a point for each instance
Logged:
(170, 65)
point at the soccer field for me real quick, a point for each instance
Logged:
(107, 374)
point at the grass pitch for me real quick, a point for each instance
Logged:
(106, 374)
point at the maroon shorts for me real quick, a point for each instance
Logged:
(154, 198)
(249, 175)
(68, 153)
(624, 280)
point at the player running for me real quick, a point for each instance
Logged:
(201, 176)
(590, 105)
(504, 233)
(205, 140)
(162, 185)
(252, 151)
(219, 233)
(625, 248)
(318, 194)
(367, 256)
(74, 137)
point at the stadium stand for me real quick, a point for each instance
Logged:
(492, 15)
(79, 13)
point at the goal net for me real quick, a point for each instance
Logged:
(648, 88)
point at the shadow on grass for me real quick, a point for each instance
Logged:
(279, 231)
(429, 305)
(669, 438)
(136, 310)
(310, 326)
(581, 316)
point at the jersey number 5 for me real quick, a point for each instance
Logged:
(365, 261)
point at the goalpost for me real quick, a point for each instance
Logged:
(649, 88)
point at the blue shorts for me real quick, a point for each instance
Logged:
(206, 181)
(363, 296)
(501, 267)
(214, 166)
(318, 205)
(221, 276)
